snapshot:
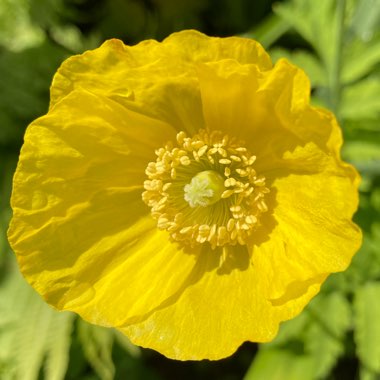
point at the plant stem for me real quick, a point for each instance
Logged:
(336, 66)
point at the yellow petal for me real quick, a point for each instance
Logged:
(245, 296)
(223, 301)
(156, 76)
(192, 46)
(121, 285)
(291, 124)
(83, 237)
(308, 234)
(242, 100)
(270, 110)
(218, 310)
(142, 78)
(115, 68)
(228, 97)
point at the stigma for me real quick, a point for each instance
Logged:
(205, 189)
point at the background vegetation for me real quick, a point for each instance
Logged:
(338, 44)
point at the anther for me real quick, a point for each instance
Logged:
(205, 189)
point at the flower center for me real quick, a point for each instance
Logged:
(204, 189)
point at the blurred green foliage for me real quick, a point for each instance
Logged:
(337, 43)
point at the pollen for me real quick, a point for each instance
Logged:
(204, 190)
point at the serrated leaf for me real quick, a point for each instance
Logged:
(324, 340)
(315, 21)
(360, 58)
(17, 30)
(31, 340)
(365, 265)
(375, 202)
(366, 18)
(355, 128)
(24, 90)
(361, 151)
(367, 326)
(58, 344)
(280, 364)
(269, 30)
(7, 166)
(30, 331)
(361, 100)
(97, 346)
(367, 374)
(314, 340)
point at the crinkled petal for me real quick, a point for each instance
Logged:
(194, 47)
(245, 297)
(269, 110)
(228, 97)
(223, 304)
(307, 232)
(313, 234)
(236, 99)
(140, 78)
(157, 76)
(115, 68)
(83, 237)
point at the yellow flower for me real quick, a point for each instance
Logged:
(184, 192)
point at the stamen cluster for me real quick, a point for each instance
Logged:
(233, 218)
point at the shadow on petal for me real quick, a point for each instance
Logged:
(297, 289)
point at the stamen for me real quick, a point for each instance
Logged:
(205, 190)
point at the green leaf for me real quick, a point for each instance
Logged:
(269, 30)
(324, 340)
(366, 18)
(280, 364)
(367, 326)
(375, 203)
(362, 52)
(361, 100)
(362, 148)
(97, 346)
(367, 374)
(17, 30)
(70, 37)
(360, 58)
(7, 166)
(58, 344)
(311, 343)
(24, 90)
(31, 331)
(366, 263)
(316, 22)
(361, 151)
